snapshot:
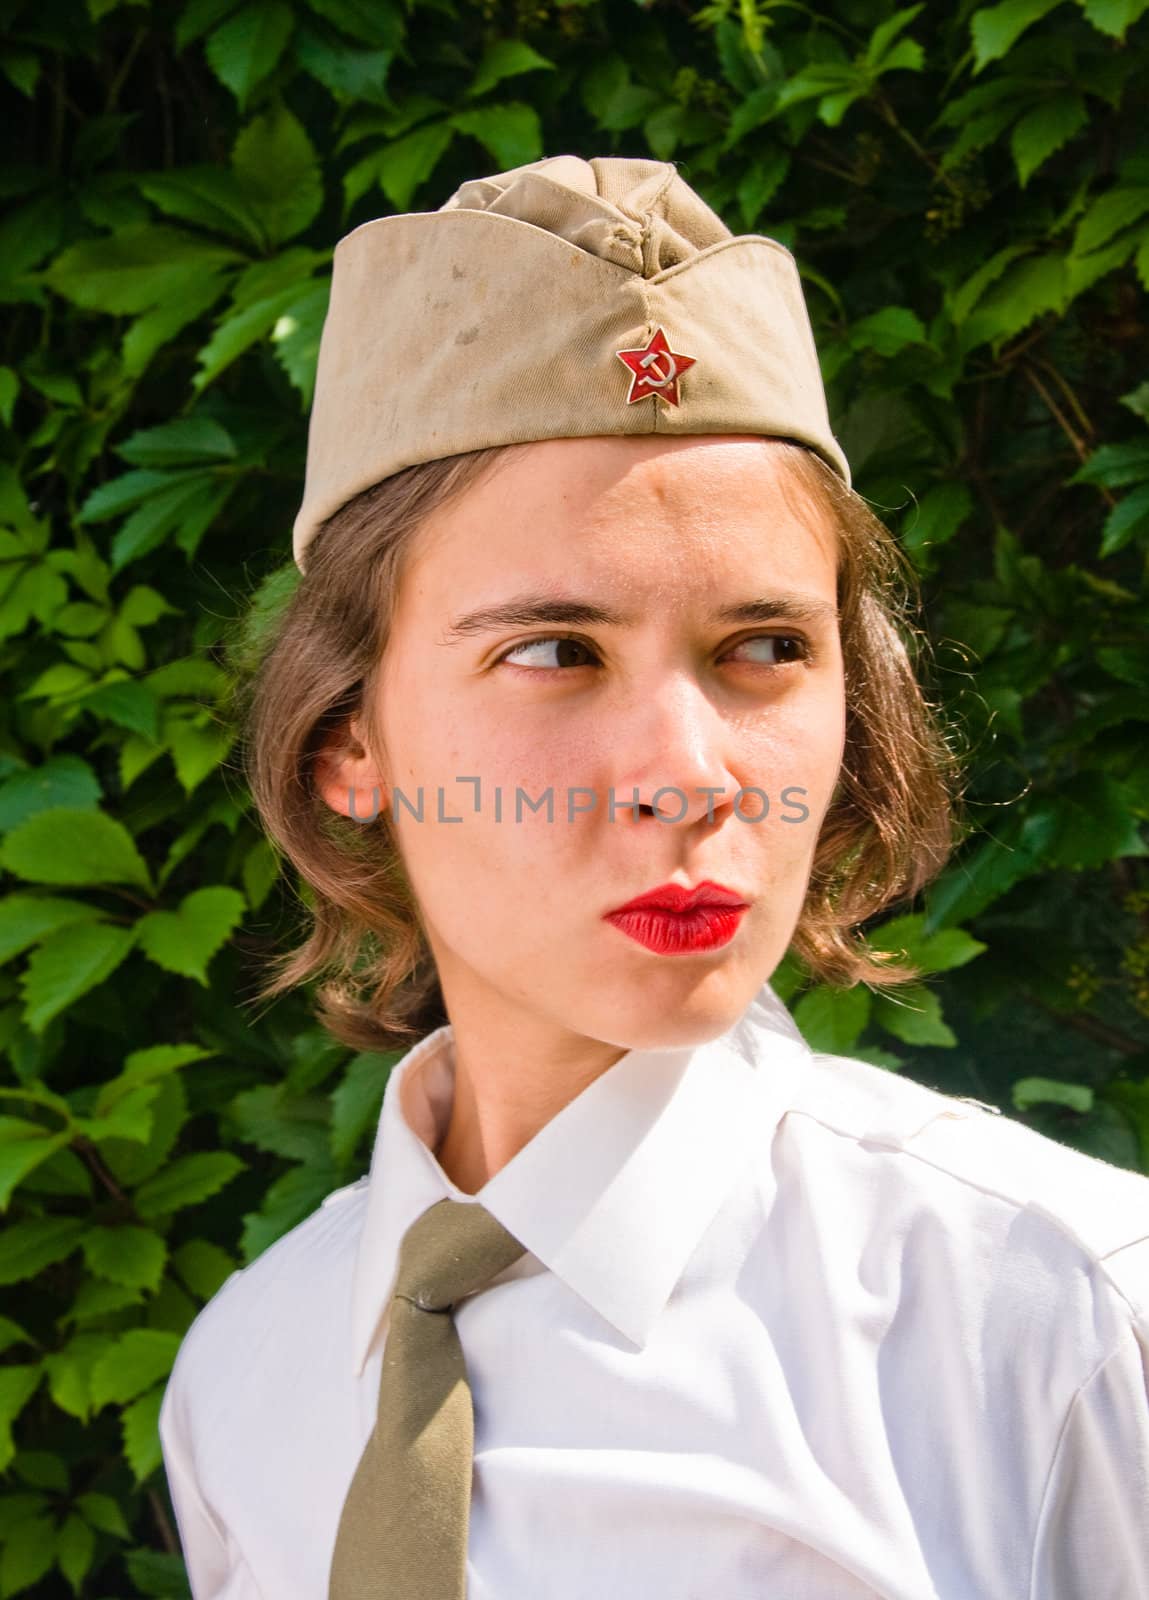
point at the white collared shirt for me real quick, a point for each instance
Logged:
(788, 1325)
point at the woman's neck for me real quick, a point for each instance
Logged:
(504, 1094)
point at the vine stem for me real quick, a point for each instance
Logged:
(1063, 384)
(100, 1172)
(122, 71)
(890, 116)
(1080, 447)
(163, 1522)
(1079, 444)
(1091, 1027)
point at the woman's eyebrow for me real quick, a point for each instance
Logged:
(529, 610)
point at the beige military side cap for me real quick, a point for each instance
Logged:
(559, 299)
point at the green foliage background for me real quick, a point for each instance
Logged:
(967, 193)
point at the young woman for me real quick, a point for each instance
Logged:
(593, 700)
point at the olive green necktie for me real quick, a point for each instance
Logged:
(403, 1531)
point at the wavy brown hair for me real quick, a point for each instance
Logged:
(313, 663)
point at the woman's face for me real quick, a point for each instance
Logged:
(478, 699)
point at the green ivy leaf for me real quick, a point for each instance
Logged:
(80, 620)
(914, 1015)
(373, 22)
(881, 43)
(287, 1201)
(75, 1550)
(186, 1182)
(141, 1428)
(1045, 129)
(831, 1019)
(131, 1118)
(238, 332)
(17, 1386)
(403, 166)
(121, 494)
(73, 847)
(887, 331)
(59, 781)
(278, 172)
(356, 1103)
(25, 919)
(1114, 17)
(203, 1266)
(70, 1373)
(132, 1365)
(347, 71)
(104, 1514)
(130, 1161)
(18, 1508)
(1032, 288)
(135, 269)
(147, 1066)
(42, 1469)
(908, 938)
(67, 965)
(506, 58)
(199, 17)
(207, 196)
(126, 702)
(1128, 520)
(244, 49)
(12, 1333)
(149, 334)
(296, 334)
(511, 133)
(130, 1256)
(23, 1147)
(259, 873)
(757, 109)
(197, 747)
(96, 1299)
(292, 1127)
(185, 940)
(26, 1248)
(997, 28)
(9, 391)
(941, 513)
(187, 442)
(161, 1576)
(1086, 824)
(188, 500)
(762, 181)
(1115, 465)
(1048, 1091)
(22, 69)
(27, 1555)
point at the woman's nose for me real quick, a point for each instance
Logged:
(672, 756)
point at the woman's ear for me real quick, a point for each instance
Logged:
(347, 775)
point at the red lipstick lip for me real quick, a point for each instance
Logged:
(673, 897)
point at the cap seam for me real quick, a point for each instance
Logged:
(716, 249)
(493, 218)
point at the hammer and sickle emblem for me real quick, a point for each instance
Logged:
(655, 370)
(657, 379)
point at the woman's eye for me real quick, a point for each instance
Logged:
(544, 653)
(560, 652)
(764, 643)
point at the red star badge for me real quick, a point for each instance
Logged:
(654, 370)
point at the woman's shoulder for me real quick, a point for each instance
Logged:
(294, 1285)
(1099, 1209)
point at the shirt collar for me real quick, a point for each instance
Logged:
(613, 1193)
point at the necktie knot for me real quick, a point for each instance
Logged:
(454, 1249)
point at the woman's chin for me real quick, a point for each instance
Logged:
(652, 1017)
